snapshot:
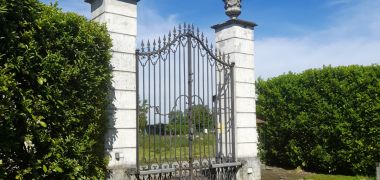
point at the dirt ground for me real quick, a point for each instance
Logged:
(274, 173)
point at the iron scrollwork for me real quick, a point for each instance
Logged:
(187, 86)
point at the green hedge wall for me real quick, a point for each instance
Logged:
(54, 80)
(324, 120)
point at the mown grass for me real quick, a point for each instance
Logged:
(158, 149)
(336, 177)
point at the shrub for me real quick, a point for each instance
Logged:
(54, 81)
(324, 120)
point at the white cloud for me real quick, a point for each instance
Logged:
(352, 38)
(152, 25)
(77, 6)
(338, 2)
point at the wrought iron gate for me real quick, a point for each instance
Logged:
(185, 109)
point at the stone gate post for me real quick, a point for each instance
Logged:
(120, 16)
(235, 37)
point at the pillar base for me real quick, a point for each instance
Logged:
(119, 174)
(250, 169)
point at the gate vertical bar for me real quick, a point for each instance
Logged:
(190, 106)
(232, 81)
(137, 113)
(219, 112)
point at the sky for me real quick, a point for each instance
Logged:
(293, 35)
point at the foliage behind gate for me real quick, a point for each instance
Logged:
(325, 120)
(54, 80)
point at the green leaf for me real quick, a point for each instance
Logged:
(43, 124)
(41, 80)
(60, 102)
(58, 169)
(44, 168)
(3, 9)
(29, 109)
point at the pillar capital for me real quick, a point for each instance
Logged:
(234, 22)
(126, 8)
(92, 1)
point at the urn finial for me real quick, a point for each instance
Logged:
(233, 8)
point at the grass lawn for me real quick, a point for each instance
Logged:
(271, 173)
(158, 149)
(161, 149)
(336, 177)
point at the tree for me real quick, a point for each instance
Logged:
(143, 111)
(176, 117)
(201, 117)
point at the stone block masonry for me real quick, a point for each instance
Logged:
(235, 38)
(120, 17)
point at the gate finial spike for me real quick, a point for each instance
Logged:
(192, 28)
(154, 45)
(211, 47)
(164, 39)
(202, 37)
(142, 46)
(159, 43)
(179, 29)
(197, 32)
(189, 28)
(148, 45)
(206, 42)
(174, 32)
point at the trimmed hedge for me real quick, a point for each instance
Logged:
(324, 120)
(54, 81)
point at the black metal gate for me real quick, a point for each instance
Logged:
(185, 109)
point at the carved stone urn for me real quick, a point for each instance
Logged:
(233, 8)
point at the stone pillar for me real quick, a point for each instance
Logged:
(120, 16)
(377, 171)
(235, 37)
